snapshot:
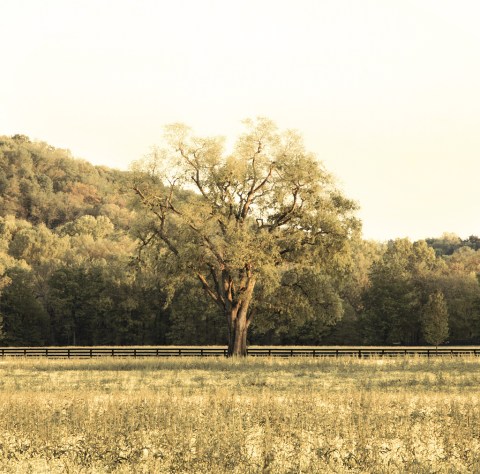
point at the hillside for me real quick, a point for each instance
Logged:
(43, 184)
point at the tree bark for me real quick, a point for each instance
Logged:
(239, 320)
(237, 346)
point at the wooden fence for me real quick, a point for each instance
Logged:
(165, 351)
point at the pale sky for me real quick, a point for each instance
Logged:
(386, 93)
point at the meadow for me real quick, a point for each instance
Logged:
(217, 415)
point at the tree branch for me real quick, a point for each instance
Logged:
(251, 194)
(209, 291)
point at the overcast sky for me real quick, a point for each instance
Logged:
(386, 93)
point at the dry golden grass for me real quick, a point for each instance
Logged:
(405, 415)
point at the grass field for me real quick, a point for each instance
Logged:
(405, 415)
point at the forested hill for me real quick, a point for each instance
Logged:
(70, 273)
(43, 184)
(65, 250)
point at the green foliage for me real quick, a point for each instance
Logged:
(259, 214)
(25, 321)
(394, 298)
(449, 243)
(194, 319)
(401, 284)
(98, 227)
(302, 309)
(43, 184)
(462, 296)
(71, 239)
(435, 319)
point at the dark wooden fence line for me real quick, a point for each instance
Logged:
(360, 352)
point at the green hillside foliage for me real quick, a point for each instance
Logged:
(46, 185)
(72, 271)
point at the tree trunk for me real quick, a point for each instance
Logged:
(237, 344)
(239, 320)
(237, 315)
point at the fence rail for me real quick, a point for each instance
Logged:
(165, 351)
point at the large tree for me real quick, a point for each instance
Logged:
(239, 221)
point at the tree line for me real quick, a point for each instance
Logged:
(174, 250)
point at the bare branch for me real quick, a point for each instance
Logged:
(209, 291)
(251, 194)
(216, 282)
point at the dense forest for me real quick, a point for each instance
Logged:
(75, 270)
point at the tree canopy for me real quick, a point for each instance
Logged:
(257, 218)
